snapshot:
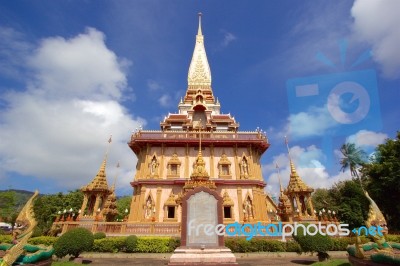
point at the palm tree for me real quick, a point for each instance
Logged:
(353, 157)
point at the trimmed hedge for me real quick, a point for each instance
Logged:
(74, 242)
(99, 235)
(154, 245)
(43, 240)
(111, 244)
(5, 239)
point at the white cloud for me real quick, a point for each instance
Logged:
(314, 122)
(228, 38)
(57, 130)
(308, 165)
(13, 51)
(80, 67)
(377, 22)
(165, 100)
(365, 138)
(153, 85)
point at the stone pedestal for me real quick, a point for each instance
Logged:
(204, 257)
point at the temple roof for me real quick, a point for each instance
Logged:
(99, 182)
(296, 184)
(199, 70)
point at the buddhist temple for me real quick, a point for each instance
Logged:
(198, 146)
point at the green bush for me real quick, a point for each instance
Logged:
(239, 245)
(110, 244)
(174, 243)
(340, 244)
(131, 244)
(99, 235)
(314, 243)
(293, 246)
(153, 245)
(43, 240)
(393, 238)
(5, 239)
(74, 242)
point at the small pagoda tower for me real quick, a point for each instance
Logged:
(299, 195)
(284, 207)
(95, 194)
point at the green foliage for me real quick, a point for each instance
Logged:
(347, 199)
(383, 174)
(292, 246)
(99, 235)
(5, 238)
(131, 243)
(393, 238)
(340, 244)
(123, 203)
(110, 244)
(74, 242)
(317, 243)
(7, 206)
(43, 240)
(153, 245)
(47, 206)
(240, 245)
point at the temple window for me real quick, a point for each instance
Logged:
(227, 212)
(227, 204)
(170, 208)
(173, 166)
(224, 166)
(171, 212)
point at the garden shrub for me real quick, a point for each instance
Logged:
(74, 242)
(110, 244)
(131, 243)
(153, 245)
(293, 246)
(173, 243)
(99, 235)
(340, 244)
(43, 240)
(393, 238)
(5, 239)
(316, 243)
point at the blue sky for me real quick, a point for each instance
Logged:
(74, 72)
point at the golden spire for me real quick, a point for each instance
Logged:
(279, 177)
(199, 69)
(99, 182)
(296, 184)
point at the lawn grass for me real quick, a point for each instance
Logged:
(63, 263)
(336, 262)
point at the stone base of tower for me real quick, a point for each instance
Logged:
(204, 257)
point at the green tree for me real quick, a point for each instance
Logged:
(321, 198)
(351, 203)
(353, 158)
(46, 208)
(7, 206)
(123, 203)
(383, 175)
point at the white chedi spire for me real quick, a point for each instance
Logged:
(199, 70)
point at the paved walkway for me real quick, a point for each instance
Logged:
(249, 259)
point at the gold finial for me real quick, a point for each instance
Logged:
(199, 31)
(292, 168)
(116, 175)
(279, 177)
